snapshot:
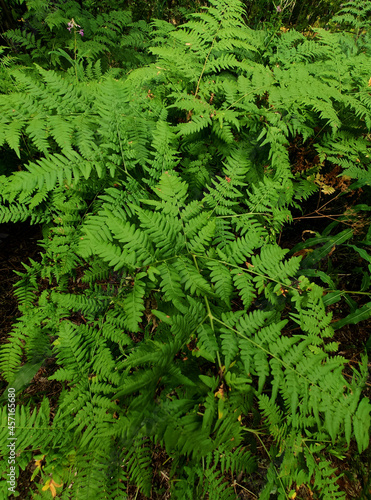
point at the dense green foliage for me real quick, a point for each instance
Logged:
(156, 158)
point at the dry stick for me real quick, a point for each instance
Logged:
(318, 209)
(320, 215)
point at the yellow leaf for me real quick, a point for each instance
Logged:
(53, 491)
(46, 485)
(39, 461)
(52, 485)
(327, 189)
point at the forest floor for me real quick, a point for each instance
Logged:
(19, 243)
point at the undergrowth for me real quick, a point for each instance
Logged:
(157, 160)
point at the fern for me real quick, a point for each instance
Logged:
(171, 312)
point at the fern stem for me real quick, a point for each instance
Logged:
(275, 468)
(75, 56)
(204, 67)
(245, 95)
(121, 148)
(248, 271)
(255, 344)
(207, 58)
(245, 489)
(209, 313)
(206, 299)
(347, 291)
(242, 215)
